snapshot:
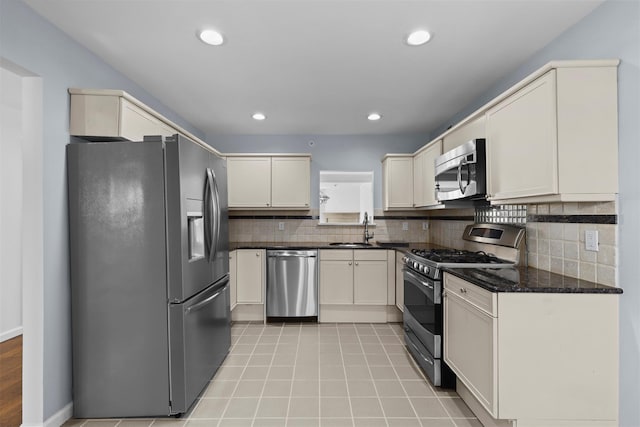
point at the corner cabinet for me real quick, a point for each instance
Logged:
(556, 138)
(269, 181)
(397, 181)
(424, 183)
(539, 359)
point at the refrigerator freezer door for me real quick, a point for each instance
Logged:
(200, 331)
(118, 279)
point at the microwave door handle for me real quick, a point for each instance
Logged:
(462, 163)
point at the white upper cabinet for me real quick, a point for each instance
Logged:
(472, 129)
(397, 178)
(556, 139)
(290, 182)
(424, 183)
(267, 181)
(107, 116)
(249, 182)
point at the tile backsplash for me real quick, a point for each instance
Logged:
(266, 229)
(557, 246)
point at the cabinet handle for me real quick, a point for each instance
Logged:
(349, 262)
(356, 263)
(267, 204)
(257, 253)
(463, 291)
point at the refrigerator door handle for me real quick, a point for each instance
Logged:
(210, 220)
(217, 214)
(203, 303)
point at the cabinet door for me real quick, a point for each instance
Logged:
(424, 175)
(233, 285)
(250, 273)
(399, 282)
(135, 123)
(249, 182)
(398, 182)
(469, 348)
(370, 282)
(522, 154)
(336, 281)
(290, 182)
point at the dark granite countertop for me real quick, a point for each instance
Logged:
(402, 246)
(526, 279)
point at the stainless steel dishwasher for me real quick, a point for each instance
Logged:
(292, 283)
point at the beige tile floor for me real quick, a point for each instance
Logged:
(316, 375)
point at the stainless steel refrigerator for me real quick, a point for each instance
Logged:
(150, 306)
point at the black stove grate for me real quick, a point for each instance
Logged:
(457, 256)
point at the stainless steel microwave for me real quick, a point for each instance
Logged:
(461, 172)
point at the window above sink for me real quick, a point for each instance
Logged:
(345, 197)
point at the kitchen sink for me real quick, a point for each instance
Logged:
(350, 244)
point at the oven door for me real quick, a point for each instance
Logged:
(423, 310)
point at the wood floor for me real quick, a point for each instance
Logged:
(11, 382)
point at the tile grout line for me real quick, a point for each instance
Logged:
(344, 368)
(293, 374)
(239, 377)
(375, 387)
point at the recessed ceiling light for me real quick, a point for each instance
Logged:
(259, 116)
(374, 116)
(211, 37)
(418, 38)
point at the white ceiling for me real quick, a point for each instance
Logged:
(314, 66)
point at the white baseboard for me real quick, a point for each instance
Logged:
(12, 333)
(59, 418)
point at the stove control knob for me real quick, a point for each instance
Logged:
(416, 265)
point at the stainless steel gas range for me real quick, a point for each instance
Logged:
(422, 273)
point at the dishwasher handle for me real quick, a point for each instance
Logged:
(299, 254)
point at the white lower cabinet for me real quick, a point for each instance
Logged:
(233, 286)
(536, 359)
(353, 285)
(399, 284)
(250, 277)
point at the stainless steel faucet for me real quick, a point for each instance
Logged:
(367, 236)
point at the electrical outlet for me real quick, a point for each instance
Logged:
(405, 226)
(591, 240)
(281, 226)
(425, 225)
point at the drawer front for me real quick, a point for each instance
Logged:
(475, 295)
(369, 255)
(336, 254)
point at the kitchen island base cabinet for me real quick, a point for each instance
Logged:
(538, 359)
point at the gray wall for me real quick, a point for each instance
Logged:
(31, 42)
(611, 31)
(328, 152)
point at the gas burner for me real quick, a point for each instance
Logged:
(456, 256)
